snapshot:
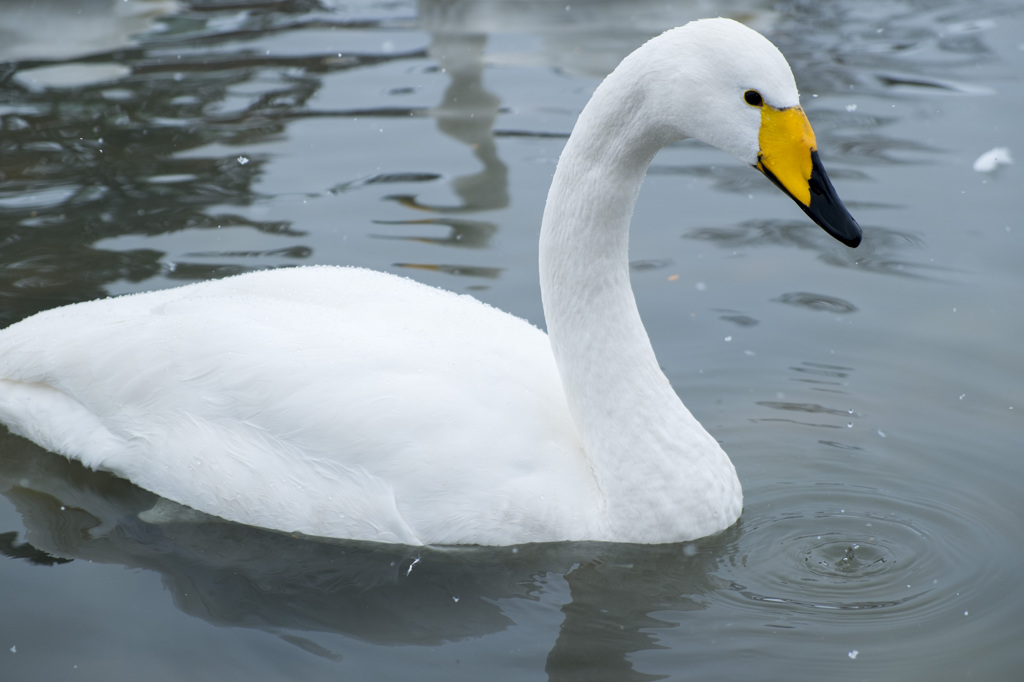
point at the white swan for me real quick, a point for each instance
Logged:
(347, 403)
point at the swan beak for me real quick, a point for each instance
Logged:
(789, 157)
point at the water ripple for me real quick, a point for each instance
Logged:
(852, 549)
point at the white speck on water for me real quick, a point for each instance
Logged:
(409, 570)
(749, 352)
(993, 159)
(14, 648)
(455, 599)
(851, 107)
(701, 286)
(853, 654)
(728, 339)
(63, 508)
(242, 160)
(966, 612)
(962, 396)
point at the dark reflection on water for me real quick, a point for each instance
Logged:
(819, 302)
(100, 160)
(879, 252)
(472, 234)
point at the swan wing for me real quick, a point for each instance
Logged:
(332, 401)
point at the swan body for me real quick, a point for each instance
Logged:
(348, 403)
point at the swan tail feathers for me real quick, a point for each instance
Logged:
(57, 422)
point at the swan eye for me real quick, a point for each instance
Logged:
(753, 98)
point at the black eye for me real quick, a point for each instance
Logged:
(753, 98)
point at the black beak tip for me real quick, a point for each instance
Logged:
(852, 242)
(841, 227)
(827, 210)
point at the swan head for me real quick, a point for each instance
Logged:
(725, 84)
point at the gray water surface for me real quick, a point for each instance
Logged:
(871, 399)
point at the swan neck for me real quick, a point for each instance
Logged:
(632, 427)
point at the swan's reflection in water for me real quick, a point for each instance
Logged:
(294, 587)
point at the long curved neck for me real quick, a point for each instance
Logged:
(600, 345)
(636, 432)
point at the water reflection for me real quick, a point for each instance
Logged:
(234, 575)
(880, 252)
(48, 30)
(586, 38)
(467, 114)
(473, 234)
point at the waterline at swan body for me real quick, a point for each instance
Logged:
(347, 403)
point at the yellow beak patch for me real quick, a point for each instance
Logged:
(786, 141)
